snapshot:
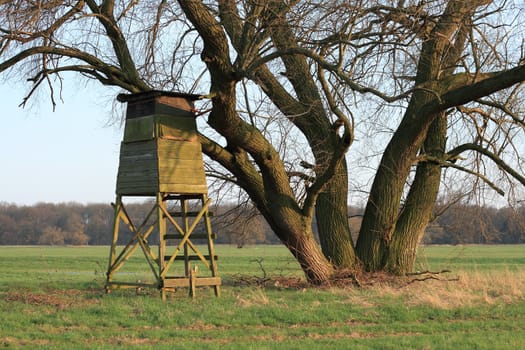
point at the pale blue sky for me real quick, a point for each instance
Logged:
(67, 155)
(70, 155)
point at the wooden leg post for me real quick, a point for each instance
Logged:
(113, 249)
(161, 221)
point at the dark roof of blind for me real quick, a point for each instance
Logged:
(156, 93)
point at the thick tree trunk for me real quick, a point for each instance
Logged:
(384, 226)
(382, 209)
(417, 211)
(295, 232)
(310, 117)
(307, 252)
(416, 214)
(332, 221)
(269, 188)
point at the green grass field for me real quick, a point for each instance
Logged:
(53, 298)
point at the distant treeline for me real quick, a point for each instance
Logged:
(92, 224)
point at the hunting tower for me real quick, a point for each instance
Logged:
(161, 157)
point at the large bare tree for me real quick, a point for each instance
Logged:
(291, 84)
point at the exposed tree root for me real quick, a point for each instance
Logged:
(343, 279)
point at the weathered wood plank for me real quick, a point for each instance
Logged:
(151, 189)
(178, 214)
(196, 235)
(185, 281)
(142, 147)
(163, 105)
(182, 103)
(162, 148)
(136, 190)
(191, 257)
(183, 188)
(185, 178)
(162, 178)
(176, 127)
(171, 166)
(139, 129)
(178, 149)
(113, 284)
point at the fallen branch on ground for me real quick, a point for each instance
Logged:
(428, 275)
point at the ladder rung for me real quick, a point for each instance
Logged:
(192, 236)
(191, 257)
(179, 214)
(185, 281)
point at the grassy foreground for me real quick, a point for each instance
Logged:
(52, 298)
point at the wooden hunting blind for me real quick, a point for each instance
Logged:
(161, 157)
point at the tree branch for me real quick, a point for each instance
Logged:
(114, 74)
(336, 69)
(120, 46)
(468, 171)
(245, 172)
(495, 158)
(459, 96)
(24, 37)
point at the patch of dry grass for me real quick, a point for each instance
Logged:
(468, 289)
(440, 290)
(252, 297)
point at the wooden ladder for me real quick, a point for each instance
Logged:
(174, 246)
(181, 246)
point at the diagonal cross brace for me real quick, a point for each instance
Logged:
(185, 237)
(139, 238)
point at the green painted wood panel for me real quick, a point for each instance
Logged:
(181, 127)
(161, 165)
(139, 129)
(183, 188)
(160, 151)
(175, 127)
(137, 190)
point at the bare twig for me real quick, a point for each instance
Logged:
(428, 275)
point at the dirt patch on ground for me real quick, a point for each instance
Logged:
(59, 299)
(268, 282)
(361, 279)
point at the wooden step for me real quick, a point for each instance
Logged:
(172, 282)
(196, 235)
(115, 284)
(191, 257)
